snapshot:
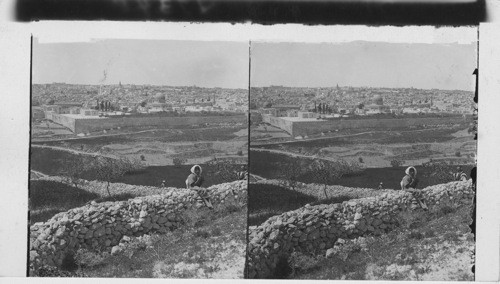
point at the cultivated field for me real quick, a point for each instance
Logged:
(376, 149)
(267, 165)
(159, 147)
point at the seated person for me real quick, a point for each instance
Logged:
(194, 182)
(409, 183)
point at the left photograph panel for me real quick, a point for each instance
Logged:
(138, 158)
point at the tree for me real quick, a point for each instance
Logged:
(73, 170)
(290, 172)
(397, 163)
(223, 170)
(179, 161)
(326, 172)
(438, 172)
(108, 170)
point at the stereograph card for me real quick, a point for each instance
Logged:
(214, 151)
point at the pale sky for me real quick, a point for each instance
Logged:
(155, 62)
(371, 64)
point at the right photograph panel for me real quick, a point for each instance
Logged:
(360, 157)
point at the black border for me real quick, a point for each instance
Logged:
(327, 12)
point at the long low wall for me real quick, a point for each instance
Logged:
(63, 120)
(97, 124)
(100, 226)
(314, 229)
(296, 128)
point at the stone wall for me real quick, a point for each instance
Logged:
(101, 226)
(63, 120)
(314, 229)
(296, 128)
(84, 125)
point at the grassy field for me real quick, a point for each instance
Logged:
(428, 246)
(267, 165)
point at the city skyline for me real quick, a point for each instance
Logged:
(364, 64)
(153, 62)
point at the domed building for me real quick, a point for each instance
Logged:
(377, 106)
(159, 98)
(377, 100)
(159, 104)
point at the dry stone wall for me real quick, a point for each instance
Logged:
(100, 226)
(315, 229)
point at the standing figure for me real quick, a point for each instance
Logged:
(194, 182)
(409, 183)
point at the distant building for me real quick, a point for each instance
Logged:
(89, 112)
(74, 110)
(281, 110)
(292, 113)
(269, 111)
(307, 114)
(159, 107)
(377, 106)
(51, 108)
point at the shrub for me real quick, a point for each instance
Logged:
(397, 163)
(438, 172)
(360, 159)
(143, 158)
(458, 154)
(225, 170)
(179, 161)
(239, 153)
